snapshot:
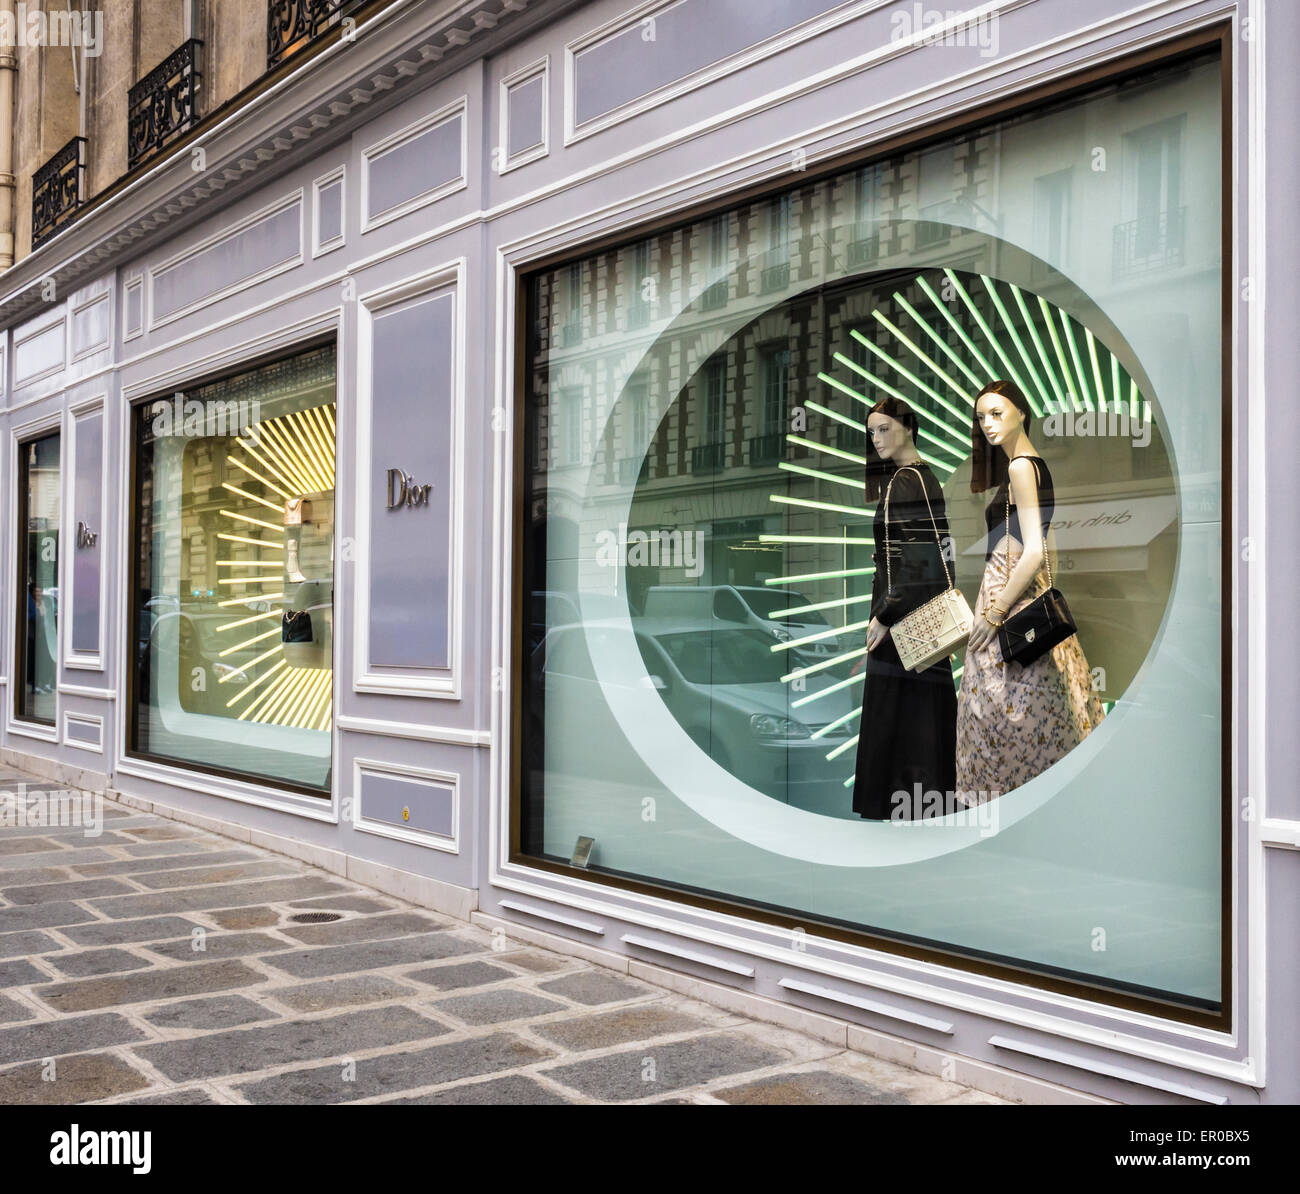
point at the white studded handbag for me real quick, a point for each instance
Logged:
(941, 626)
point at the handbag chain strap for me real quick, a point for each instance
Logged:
(1047, 561)
(889, 572)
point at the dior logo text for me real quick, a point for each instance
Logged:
(85, 536)
(654, 549)
(403, 490)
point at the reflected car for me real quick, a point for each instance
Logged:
(723, 686)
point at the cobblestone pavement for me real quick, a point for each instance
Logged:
(157, 963)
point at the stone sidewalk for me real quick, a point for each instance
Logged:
(157, 963)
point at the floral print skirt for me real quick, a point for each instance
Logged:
(1015, 721)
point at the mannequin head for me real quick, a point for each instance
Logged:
(1000, 421)
(891, 441)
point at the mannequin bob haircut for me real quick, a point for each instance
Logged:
(879, 471)
(988, 464)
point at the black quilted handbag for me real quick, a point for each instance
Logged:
(1044, 622)
(295, 626)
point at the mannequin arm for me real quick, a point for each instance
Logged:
(1024, 490)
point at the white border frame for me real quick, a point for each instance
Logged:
(34, 330)
(104, 296)
(769, 46)
(24, 433)
(541, 68)
(227, 232)
(281, 340)
(338, 175)
(425, 775)
(90, 719)
(456, 109)
(436, 682)
(73, 659)
(136, 283)
(1189, 1048)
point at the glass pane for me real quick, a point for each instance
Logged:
(234, 595)
(38, 572)
(704, 566)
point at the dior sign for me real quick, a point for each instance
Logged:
(403, 490)
(85, 536)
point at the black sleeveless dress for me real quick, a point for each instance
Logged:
(908, 730)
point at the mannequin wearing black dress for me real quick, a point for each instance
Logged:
(907, 734)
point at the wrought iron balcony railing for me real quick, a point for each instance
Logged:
(163, 104)
(1149, 243)
(765, 449)
(708, 458)
(715, 295)
(291, 24)
(57, 190)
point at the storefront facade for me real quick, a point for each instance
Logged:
(449, 469)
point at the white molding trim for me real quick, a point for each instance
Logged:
(435, 682)
(417, 837)
(90, 661)
(40, 327)
(104, 296)
(315, 808)
(766, 48)
(525, 74)
(136, 283)
(457, 109)
(874, 1006)
(451, 735)
(227, 232)
(338, 175)
(90, 719)
(94, 694)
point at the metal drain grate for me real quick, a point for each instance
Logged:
(315, 918)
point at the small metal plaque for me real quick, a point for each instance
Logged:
(582, 851)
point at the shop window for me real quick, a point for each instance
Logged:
(732, 739)
(37, 673)
(234, 577)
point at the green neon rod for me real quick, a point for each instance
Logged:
(1096, 369)
(820, 447)
(907, 373)
(781, 498)
(1060, 355)
(835, 575)
(843, 746)
(960, 453)
(807, 609)
(820, 475)
(1132, 398)
(988, 332)
(834, 414)
(830, 688)
(929, 360)
(1020, 345)
(837, 539)
(813, 669)
(1032, 325)
(835, 725)
(956, 327)
(1078, 362)
(1115, 388)
(821, 634)
(938, 339)
(835, 383)
(884, 385)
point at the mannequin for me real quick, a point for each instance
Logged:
(905, 740)
(1013, 720)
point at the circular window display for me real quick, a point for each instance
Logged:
(744, 695)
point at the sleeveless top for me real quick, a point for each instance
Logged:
(995, 513)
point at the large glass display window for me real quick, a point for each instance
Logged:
(233, 593)
(37, 673)
(769, 455)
